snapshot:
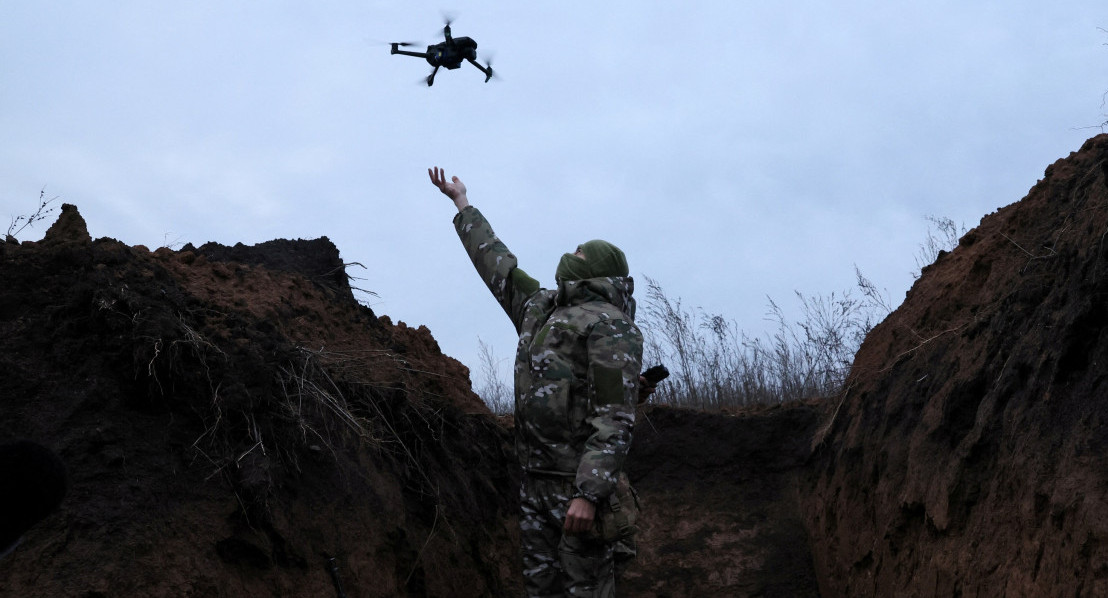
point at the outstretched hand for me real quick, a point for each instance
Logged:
(455, 189)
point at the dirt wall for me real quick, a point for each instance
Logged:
(968, 457)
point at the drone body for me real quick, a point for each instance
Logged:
(449, 53)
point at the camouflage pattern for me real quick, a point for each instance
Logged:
(576, 386)
(577, 364)
(626, 547)
(557, 564)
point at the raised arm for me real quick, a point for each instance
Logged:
(497, 266)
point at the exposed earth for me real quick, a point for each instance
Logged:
(235, 423)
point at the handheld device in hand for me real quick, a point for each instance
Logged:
(656, 374)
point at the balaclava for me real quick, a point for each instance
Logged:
(601, 259)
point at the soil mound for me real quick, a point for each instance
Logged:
(969, 456)
(232, 420)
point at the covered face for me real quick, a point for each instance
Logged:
(600, 259)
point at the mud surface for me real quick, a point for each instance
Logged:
(232, 419)
(235, 423)
(969, 456)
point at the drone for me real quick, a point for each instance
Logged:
(449, 53)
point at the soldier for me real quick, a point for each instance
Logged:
(576, 387)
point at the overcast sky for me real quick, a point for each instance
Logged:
(734, 150)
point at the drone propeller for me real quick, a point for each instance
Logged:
(404, 44)
(447, 21)
(490, 74)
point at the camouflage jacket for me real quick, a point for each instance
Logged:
(577, 364)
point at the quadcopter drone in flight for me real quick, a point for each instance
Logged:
(449, 53)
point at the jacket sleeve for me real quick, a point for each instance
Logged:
(615, 359)
(497, 266)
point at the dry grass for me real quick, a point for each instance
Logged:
(717, 365)
(19, 223)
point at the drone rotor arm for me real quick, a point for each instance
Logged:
(397, 50)
(484, 69)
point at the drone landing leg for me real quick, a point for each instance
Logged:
(431, 77)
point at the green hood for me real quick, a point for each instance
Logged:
(617, 291)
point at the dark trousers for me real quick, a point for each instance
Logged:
(556, 563)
